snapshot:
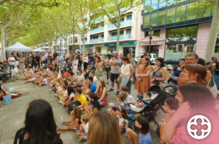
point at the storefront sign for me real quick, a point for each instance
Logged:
(88, 46)
(121, 44)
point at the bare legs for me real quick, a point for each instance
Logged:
(132, 136)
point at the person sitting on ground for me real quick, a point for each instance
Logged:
(92, 85)
(102, 93)
(80, 79)
(94, 104)
(113, 107)
(95, 80)
(80, 98)
(75, 121)
(16, 73)
(122, 119)
(28, 73)
(71, 95)
(86, 89)
(144, 136)
(82, 133)
(44, 81)
(64, 96)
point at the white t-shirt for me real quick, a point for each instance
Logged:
(81, 77)
(65, 93)
(130, 98)
(58, 77)
(11, 58)
(45, 81)
(14, 71)
(95, 81)
(85, 126)
(72, 95)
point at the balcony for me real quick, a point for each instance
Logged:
(96, 40)
(97, 30)
(123, 23)
(84, 42)
(120, 37)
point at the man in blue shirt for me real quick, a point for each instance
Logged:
(92, 85)
(211, 65)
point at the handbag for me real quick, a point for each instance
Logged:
(100, 73)
(119, 79)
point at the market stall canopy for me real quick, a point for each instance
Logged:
(38, 50)
(18, 47)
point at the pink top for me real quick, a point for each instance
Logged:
(181, 136)
(104, 100)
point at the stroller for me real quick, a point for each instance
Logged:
(158, 96)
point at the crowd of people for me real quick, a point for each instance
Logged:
(83, 93)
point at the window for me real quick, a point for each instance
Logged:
(128, 31)
(162, 14)
(153, 17)
(181, 10)
(102, 36)
(75, 39)
(95, 37)
(129, 17)
(147, 21)
(114, 34)
(162, 4)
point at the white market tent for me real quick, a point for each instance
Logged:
(18, 47)
(38, 50)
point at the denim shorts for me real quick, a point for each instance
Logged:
(124, 81)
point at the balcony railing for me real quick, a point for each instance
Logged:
(96, 40)
(123, 23)
(97, 30)
(82, 42)
(120, 37)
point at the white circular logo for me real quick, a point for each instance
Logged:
(199, 127)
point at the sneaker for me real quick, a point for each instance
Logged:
(112, 89)
(50, 89)
(61, 102)
(62, 119)
(118, 92)
(81, 140)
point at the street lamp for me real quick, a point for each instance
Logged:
(150, 33)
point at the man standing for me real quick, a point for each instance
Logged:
(16, 73)
(71, 56)
(79, 59)
(37, 60)
(189, 59)
(11, 61)
(55, 54)
(211, 65)
(115, 64)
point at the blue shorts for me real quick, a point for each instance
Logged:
(124, 130)
(124, 81)
(85, 137)
(114, 108)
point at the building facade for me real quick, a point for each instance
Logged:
(103, 37)
(178, 28)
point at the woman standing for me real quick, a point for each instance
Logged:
(194, 99)
(103, 129)
(21, 63)
(75, 65)
(160, 72)
(99, 69)
(102, 92)
(176, 72)
(40, 126)
(107, 67)
(143, 72)
(125, 72)
(16, 60)
(49, 58)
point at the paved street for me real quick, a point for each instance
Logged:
(13, 115)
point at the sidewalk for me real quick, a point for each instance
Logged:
(13, 115)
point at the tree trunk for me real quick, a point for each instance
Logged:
(66, 42)
(83, 47)
(118, 33)
(3, 31)
(51, 46)
(213, 33)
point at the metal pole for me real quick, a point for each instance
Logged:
(149, 51)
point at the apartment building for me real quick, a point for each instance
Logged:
(103, 37)
(179, 29)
